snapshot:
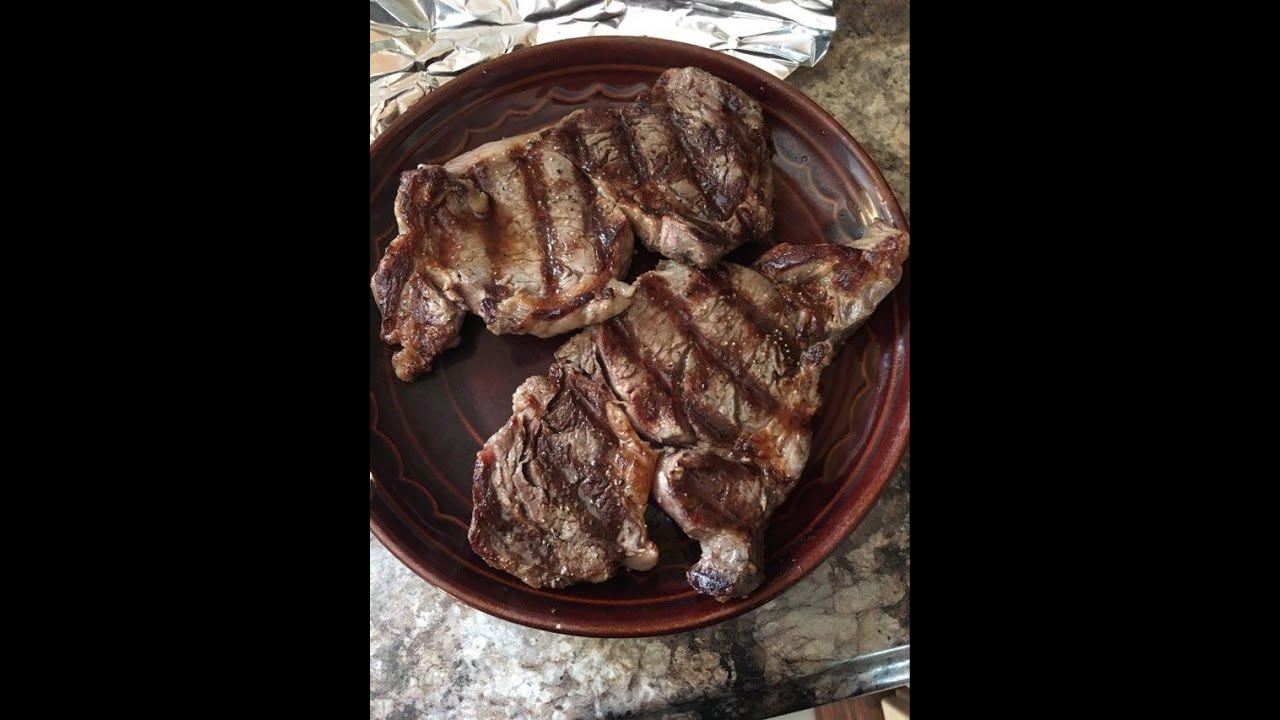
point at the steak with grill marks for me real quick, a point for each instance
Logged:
(510, 231)
(531, 233)
(559, 493)
(689, 162)
(832, 289)
(722, 366)
(720, 369)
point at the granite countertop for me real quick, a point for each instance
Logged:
(841, 631)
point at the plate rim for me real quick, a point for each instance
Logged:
(898, 415)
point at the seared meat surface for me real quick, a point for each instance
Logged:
(511, 232)
(722, 367)
(559, 492)
(688, 162)
(532, 233)
(708, 357)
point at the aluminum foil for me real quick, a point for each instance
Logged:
(417, 45)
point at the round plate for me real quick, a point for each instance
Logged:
(423, 436)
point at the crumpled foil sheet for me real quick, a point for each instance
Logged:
(417, 45)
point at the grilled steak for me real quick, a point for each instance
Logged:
(688, 162)
(707, 357)
(722, 366)
(510, 231)
(532, 232)
(560, 491)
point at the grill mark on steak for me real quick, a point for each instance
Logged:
(586, 406)
(576, 145)
(625, 138)
(593, 226)
(678, 312)
(743, 139)
(535, 193)
(568, 141)
(715, 426)
(691, 154)
(621, 336)
(759, 321)
(560, 307)
(594, 495)
(602, 241)
(581, 407)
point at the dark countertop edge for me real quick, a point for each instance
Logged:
(873, 672)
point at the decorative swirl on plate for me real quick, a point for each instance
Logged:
(399, 473)
(557, 96)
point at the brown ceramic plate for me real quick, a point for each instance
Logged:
(423, 436)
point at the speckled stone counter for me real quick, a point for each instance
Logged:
(842, 630)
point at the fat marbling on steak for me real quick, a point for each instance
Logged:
(722, 366)
(532, 233)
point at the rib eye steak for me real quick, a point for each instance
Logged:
(689, 162)
(559, 492)
(510, 231)
(723, 491)
(532, 233)
(720, 368)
